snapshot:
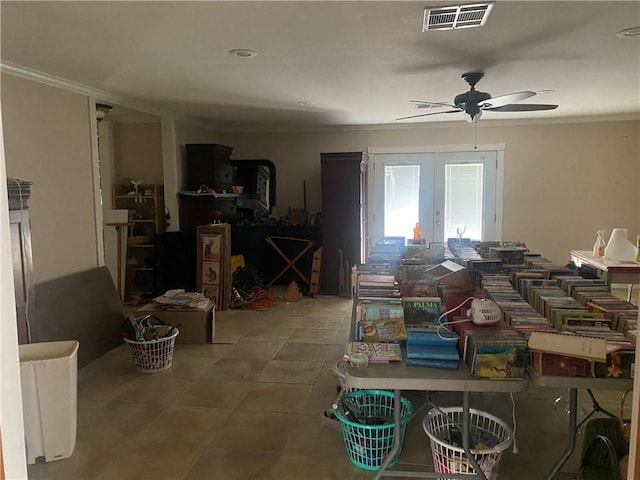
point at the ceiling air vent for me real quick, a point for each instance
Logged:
(456, 16)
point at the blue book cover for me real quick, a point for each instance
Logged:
(422, 362)
(430, 337)
(433, 352)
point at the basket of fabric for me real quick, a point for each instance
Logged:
(489, 438)
(367, 423)
(152, 343)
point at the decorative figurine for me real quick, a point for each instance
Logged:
(293, 293)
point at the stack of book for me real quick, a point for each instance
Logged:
(501, 353)
(377, 285)
(429, 348)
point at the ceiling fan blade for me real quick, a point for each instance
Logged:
(505, 99)
(522, 107)
(427, 114)
(440, 104)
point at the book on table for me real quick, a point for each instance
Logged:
(432, 363)
(589, 348)
(375, 280)
(433, 352)
(502, 355)
(378, 352)
(430, 336)
(383, 330)
(418, 289)
(422, 310)
(381, 322)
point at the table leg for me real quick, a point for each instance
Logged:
(466, 418)
(571, 445)
(397, 394)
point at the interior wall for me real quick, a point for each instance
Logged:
(191, 133)
(138, 152)
(47, 141)
(562, 181)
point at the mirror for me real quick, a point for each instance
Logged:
(258, 177)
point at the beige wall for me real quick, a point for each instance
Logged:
(137, 150)
(47, 141)
(562, 181)
(190, 133)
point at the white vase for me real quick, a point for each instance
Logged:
(619, 248)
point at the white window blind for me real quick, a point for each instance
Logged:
(463, 200)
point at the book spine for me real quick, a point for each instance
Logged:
(434, 354)
(432, 363)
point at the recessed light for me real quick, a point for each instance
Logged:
(243, 53)
(307, 103)
(629, 32)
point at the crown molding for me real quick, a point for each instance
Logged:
(99, 95)
(69, 85)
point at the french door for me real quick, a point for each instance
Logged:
(449, 193)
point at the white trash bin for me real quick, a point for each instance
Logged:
(49, 373)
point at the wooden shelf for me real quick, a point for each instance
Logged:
(146, 219)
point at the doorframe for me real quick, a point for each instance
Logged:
(499, 148)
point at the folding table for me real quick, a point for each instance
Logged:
(397, 376)
(573, 384)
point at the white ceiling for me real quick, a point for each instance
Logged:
(360, 62)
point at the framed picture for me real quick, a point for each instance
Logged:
(211, 291)
(211, 272)
(211, 247)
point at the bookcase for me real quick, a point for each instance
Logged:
(145, 220)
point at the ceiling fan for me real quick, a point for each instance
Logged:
(474, 102)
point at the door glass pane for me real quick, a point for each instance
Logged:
(463, 200)
(401, 199)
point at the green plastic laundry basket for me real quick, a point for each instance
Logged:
(370, 437)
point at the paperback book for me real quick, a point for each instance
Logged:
(430, 336)
(377, 352)
(432, 363)
(383, 330)
(433, 352)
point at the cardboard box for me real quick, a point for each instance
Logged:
(196, 326)
(451, 274)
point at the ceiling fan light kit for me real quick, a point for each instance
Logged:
(473, 102)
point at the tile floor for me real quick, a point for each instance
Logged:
(248, 407)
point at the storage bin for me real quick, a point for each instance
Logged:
(49, 372)
(154, 355)
(370, 438)
(491, 437)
